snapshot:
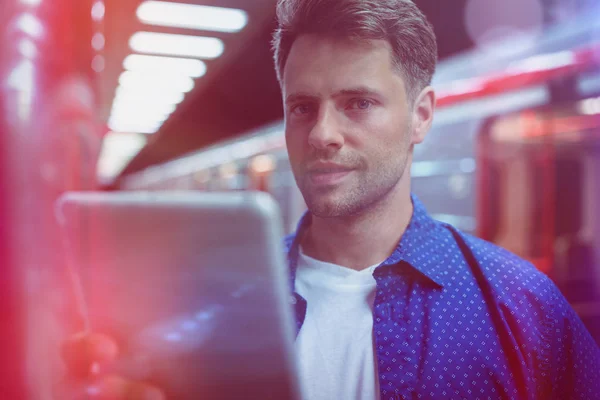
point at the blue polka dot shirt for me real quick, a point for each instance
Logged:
(456, 317)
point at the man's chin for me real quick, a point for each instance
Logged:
(323, 207)
(328, 207)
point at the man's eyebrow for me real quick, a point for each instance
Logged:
(358, 91)
(300, 96)
(354, 91)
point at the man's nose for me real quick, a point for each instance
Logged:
(325, 133)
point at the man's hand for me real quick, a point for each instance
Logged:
(84, 354)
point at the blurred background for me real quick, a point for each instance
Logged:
(165, 95)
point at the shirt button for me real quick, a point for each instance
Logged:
(293, 300)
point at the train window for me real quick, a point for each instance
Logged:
(517, 187)
(568, 195)
(230, 177)
(536, 180)
(212, 184)
(200, 179)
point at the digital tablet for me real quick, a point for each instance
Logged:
(193, 286)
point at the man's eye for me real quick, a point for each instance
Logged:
(360, 104)
(301, 109)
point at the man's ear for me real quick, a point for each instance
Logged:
(422, 114)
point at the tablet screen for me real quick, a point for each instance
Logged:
(192, 286)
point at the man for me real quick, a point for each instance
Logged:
(391, 304)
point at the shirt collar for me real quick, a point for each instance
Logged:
(421, 245)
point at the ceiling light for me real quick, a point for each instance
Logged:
(98, 63)
(134, 128)
(120, 143)
(262, 163)
(156, 108)
(117, 150)
(176, 45)
(27, 49)
(589, 106)
(168, 65)
(137, 119)
(30, 25)
(31, 2)
(98, 11)
(138, 114)
(98, 41)
(148, 95)
(543, 62)
(192, 16)
(21, 79)
(132, 79)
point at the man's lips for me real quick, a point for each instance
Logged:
(327, 174)
(326, 167)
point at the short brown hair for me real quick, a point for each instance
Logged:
(399, 22)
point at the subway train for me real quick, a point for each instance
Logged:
(513, 157)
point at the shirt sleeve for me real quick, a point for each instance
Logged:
(576, 355)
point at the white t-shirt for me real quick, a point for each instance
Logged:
(335, 345)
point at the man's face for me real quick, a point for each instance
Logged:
(347, 123)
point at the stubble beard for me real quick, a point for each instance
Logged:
(369, 189)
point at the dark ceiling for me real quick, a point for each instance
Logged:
(244, 94)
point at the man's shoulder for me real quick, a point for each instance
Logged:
(490, 255)
(541, 321)
(512, 278)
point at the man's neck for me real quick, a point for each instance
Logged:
(360, 241)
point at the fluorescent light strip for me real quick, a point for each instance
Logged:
(144, 104)
(543, 62)
(192, 16)
(133, 128)
(181, 84)
(30, 25)
(98, 11)
(589, 106)
(98, 63)
(136, 118)
(147, 95)
(98, 41)
(146, 109)
(144, 131)
(167, 65)
(27, 48)
(176, 45)
(138, 114)
(133, 122)
(117, 150)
